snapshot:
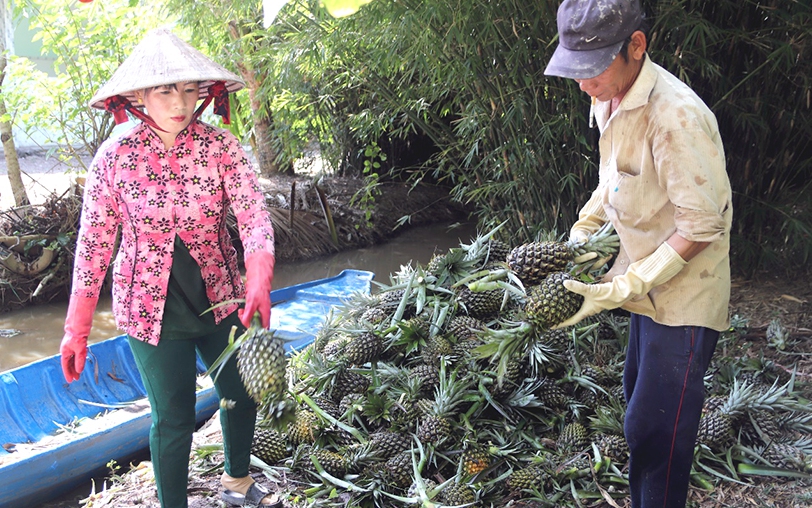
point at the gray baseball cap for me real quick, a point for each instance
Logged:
(590, 35)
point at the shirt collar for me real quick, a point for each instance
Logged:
(637, 96)
(640, 90)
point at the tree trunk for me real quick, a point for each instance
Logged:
(10, 152)
(266, 157)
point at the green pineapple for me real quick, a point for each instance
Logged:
(332, 462)
(436, 348)
(428, 486)
(785, 456)
(480, 304)
(347, 381)
(437, 423)
(498, 251)
(457, 494)
(573, 437)
(335, 347)
(716, 427)
(388, 444)
(374, 315)
(363, 348)
(428, 375)
(550, 303)
(530, 477)
(462, 327)
(268, 445)
(533, 262)
(399, 470)
(262, 363)
(613, 446)
(551, 395)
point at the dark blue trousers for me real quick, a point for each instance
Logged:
(663, 385)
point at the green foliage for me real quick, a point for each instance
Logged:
(89, 41)
(515, 144)
(467, 78)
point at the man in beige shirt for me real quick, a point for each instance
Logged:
(663, 185)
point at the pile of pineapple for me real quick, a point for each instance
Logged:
(449, 386)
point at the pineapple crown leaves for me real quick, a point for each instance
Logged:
(327, 417)
(479, 249)
(504, 344)
(448, 394)
(608, 419)
(749, 397)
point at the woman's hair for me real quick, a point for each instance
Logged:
(173, 86)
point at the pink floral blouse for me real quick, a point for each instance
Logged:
(152, 194)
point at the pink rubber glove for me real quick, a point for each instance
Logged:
(77, 327)
(258, 278)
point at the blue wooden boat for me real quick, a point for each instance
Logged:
(46, 454)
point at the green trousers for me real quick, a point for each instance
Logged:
(169, 373)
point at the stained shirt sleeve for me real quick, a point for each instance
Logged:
(691, 168)
(98, 228)
(247, 200)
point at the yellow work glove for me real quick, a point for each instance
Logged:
(651, 271)
(590, 219)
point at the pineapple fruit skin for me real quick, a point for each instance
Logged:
(550, 303)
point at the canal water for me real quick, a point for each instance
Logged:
(40, 326)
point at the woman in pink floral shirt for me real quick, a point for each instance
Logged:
(166, 185)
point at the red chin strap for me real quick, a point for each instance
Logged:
(120, 105)
(219, 94)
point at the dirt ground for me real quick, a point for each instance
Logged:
(762, 300)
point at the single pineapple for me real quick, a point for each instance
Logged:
(532, 262)
(363, 348)
(428, 375)
(399, 470)
(388, 444)
(268, 445)
(262, 363)
(332, 462)
(474, 460)
(436, 348)
(304, 428)
(716, 427)
(480, 304)
(613, 446)
(438, 424)
(463, 327)
(374, 315)
(784, 456)
(458, 494)
(550, 302)
(428, 486)
(530, 477)
(347, 381)
(551, 395)
(573, 437)
(498, 251)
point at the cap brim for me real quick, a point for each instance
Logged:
(572, 64)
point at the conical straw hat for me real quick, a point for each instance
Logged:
(162, 58)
